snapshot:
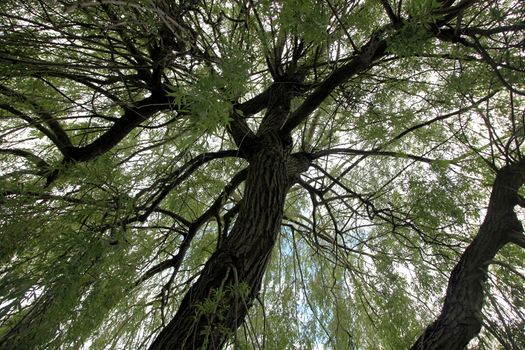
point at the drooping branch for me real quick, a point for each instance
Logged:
(181, 174)
(39, 162)
(54, 130)
(193, 228)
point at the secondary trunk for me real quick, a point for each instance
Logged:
(217, 303)
(460, 318)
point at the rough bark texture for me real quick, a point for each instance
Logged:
(241, 260)
(216, 305)
(460, 318)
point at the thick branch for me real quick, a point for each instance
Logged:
(241, 133)
(518, 238)
(373, 50)
(448, 10)
(143, 110)
(390, 12)
(280, 96)
(131, 119)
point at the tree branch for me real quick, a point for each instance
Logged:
(238, 128)
(486, 56)
(518, 238)
(373, 50)
(390, 12)
(181, 174)
(60, 136)
(176, 261)
(496, 30)
(371, 152)
(39, 162)
(132, 118)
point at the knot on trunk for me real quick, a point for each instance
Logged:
(298, 163)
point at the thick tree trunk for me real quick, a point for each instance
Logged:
(460, 318)
(217, 303)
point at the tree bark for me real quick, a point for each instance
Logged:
(217, 303)
(460, 318)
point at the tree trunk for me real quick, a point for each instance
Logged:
(217, 303)
(460, 318)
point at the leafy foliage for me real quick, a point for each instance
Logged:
(122, 170)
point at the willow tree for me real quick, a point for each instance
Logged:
(261, 174)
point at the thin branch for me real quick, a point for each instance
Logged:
(496, 30)
(61, 137)
(443, 116)
(181, 174)
(508, 266)
(177, 260)
(34, 123)
(372, 153)
(486, 56)
(334, 12)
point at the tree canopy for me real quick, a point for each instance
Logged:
(257, 174)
